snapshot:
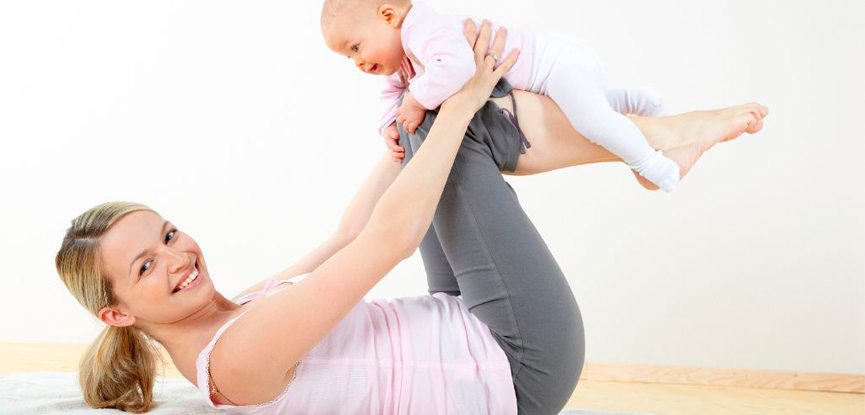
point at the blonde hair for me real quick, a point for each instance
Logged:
(119, 368)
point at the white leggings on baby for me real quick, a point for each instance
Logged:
(570, 72)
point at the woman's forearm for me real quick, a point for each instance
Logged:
(406, 208)
(317, 256)
(410, 205)
(354, 218)
(404, 213)
(359, 210)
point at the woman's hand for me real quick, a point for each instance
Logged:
(477, 90)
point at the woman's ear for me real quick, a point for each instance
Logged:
(114, 316)
(391, 15)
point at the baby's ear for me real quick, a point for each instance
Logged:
(391, 15)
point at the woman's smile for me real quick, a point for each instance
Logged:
(192, 280)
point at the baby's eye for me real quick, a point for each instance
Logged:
(170, 235)
(355, 47)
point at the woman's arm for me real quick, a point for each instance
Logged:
(253, 360)
(353, 219)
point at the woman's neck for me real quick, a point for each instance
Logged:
(183, 340)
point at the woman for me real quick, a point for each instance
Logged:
(314, 346)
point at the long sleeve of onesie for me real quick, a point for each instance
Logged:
(440, 57)
(448, 62)
(391, 96)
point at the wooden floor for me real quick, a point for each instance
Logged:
(650, 398)
(664, 399)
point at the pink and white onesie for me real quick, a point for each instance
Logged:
(569, 71)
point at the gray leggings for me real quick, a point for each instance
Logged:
(483, 246)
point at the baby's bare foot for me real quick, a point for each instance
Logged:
(700, 130)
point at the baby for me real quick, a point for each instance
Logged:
(417, 49)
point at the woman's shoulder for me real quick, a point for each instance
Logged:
(234, 365)
(233, 359)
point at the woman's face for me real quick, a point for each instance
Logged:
(157, 272)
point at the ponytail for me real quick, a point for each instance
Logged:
(118, 370)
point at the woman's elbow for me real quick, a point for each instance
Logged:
(400, 241)
(346, 234)
(406, 241)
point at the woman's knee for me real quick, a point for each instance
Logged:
(570, 348)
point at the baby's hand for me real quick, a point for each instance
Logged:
(410, 114)
(391, 139)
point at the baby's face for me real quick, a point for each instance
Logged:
(373, 44)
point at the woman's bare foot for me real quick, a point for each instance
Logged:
(644, 181)
(685, 137)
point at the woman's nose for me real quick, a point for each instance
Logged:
(177, 261)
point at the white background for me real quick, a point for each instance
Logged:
(234, 121)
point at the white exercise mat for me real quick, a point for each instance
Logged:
(59, 393)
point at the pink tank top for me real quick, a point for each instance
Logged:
(416, 355)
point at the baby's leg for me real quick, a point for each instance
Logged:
(580, 93)
(683, 137)
(636, 101)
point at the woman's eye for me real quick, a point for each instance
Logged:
(145, 266)
(170, 235)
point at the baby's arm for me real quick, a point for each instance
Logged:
(448, 62)
(390, 96)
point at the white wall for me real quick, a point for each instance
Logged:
(235, 121)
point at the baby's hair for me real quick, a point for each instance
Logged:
(333, 8)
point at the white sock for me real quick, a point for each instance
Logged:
(638, 101)
(660, 170)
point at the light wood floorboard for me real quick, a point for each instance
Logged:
(666, 399)
(617, 396)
